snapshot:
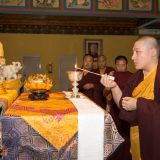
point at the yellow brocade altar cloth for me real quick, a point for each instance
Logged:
(49, 118)
(9, 92)
(7, 98)
(14, 84)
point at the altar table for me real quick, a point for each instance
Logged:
(48, 130)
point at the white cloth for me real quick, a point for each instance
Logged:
(90, 129)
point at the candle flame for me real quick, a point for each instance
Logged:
(75, 66)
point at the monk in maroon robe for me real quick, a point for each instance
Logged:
(121, 77)
(86, 84)
(123, 127)
(99, 98)
(140, 110)
(147, 116)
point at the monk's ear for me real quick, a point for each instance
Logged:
(153, 52)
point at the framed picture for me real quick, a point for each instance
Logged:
(136, 5)
(93, 46)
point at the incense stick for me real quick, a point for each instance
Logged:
(89, 71)
(110, 77)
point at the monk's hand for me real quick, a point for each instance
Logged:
(129, 103)
(88, 86)
(108, 82)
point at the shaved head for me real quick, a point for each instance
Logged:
(150, 43)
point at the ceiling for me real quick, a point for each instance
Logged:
(151, 27)
(16, 23)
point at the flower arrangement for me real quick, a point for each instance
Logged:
(38, 82)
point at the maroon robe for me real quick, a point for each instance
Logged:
(98, 88)
(121, 79)
(147, 117)
(123, 152)
(88, 78)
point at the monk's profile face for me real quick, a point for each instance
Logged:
(121, 65)
(142, 56)
(88, 62)
(101, 62)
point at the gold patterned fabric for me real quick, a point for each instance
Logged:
(9, 91)
(49, 118)
(7, 98)
(146, 90)
(2, 89)
(14, 84)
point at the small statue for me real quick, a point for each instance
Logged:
(10, 71)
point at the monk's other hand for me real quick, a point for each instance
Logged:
(129, 103)
(108, 82)
(88, 86)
